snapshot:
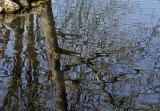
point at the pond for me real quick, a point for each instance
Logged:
(81, 55)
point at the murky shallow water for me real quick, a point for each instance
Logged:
(87, 55)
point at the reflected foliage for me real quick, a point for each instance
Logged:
(81, 55)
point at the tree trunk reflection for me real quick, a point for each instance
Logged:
(32, 72)
(11, 100)
(49, 29)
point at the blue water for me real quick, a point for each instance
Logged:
(90, 56)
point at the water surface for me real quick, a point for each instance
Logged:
(82, 55)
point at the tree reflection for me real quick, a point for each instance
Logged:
(11, 100)
(32, 78)
(107, 73)
(24, 90)
(4, 42)
(53, 53)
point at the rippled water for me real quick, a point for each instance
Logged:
(82, 55)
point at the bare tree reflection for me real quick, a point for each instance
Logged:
(11, 100)
(29, 96)
(108, 74)
(32, 77)
(4, 42)
(53, 53)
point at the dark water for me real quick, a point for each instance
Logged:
(82, 55)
